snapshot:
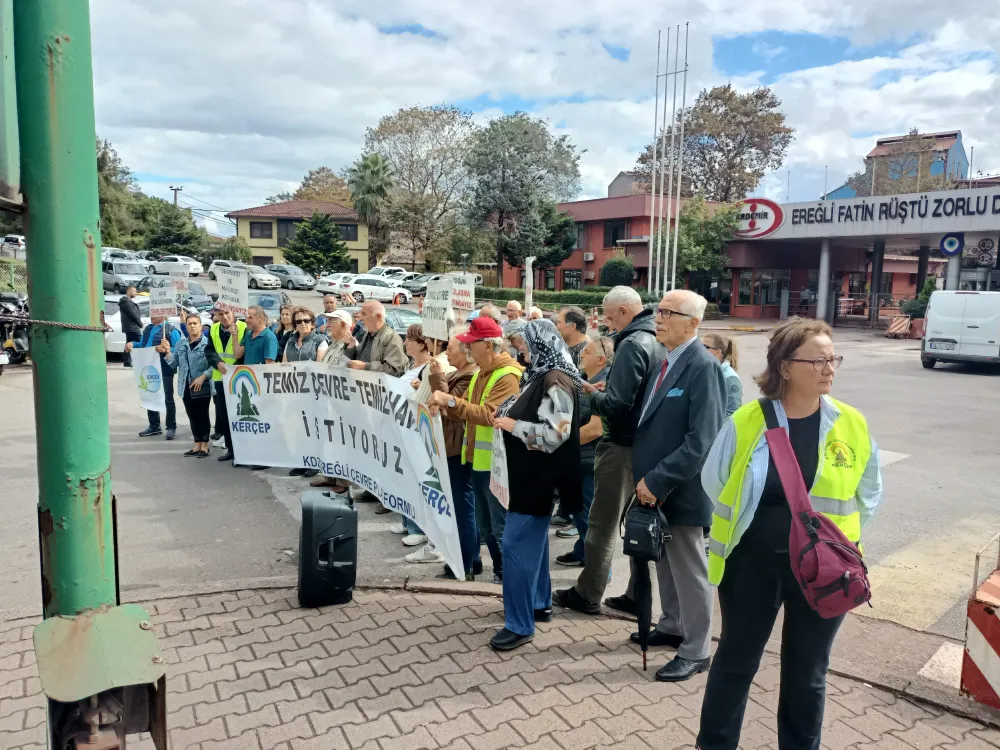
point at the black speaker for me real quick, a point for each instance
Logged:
(328, 549)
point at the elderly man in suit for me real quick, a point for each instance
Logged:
(684, 409)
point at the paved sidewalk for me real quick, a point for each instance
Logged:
(393, 669)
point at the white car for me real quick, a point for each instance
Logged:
(479, 276)
(13, 246)
(331, 284)
(166, 263)
(262, 279)
(366, 287)
(223, 264)
(114, 338)
(386, 271)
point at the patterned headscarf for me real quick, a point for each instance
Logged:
(548, 352)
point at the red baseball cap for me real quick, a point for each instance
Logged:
(481, 328)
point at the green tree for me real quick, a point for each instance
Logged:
(173, 233)
(115, 188)
(702, 234)
(233, 248)
(478, 245)
(323, 184)
(731, 141)
(514, 163)
(617, 271)
(281, 197)
(317, 248)
(371, 184)
(546, 232)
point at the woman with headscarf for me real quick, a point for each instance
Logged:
(513, 335)
(541, 433)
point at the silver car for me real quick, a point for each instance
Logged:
(292, 277)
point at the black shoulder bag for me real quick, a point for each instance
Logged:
(644, 530)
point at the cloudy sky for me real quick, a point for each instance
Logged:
(236, 99)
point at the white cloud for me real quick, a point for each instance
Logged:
(767, 51)
(238, 98)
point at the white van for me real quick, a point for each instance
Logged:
(961, 327)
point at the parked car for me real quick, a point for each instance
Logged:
(223, 264)
(114, 338)
(121, 274)
(291, 277)
(418, 285)
(374, 287)
(331, 284)
(261, 279)
(479, 276)
(197, 297)
(164, 264)
(398, 318)
(961, 326)
(402, 278)
(270, 301)
(386, 271)
(13, 246)
(147, 255)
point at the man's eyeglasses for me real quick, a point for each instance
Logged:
(662, 312)
(303, 321)
(820, 363)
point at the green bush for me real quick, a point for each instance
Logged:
(617, 270)
(592, 296)
(917, 308)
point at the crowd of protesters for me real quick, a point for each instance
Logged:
(652, 414)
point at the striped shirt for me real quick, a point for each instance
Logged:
(672, 356)
(715, 473)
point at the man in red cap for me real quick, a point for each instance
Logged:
(498, 378)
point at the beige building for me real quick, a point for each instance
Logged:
(267, 229)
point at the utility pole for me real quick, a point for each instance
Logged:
(176, 191)
(76, 514)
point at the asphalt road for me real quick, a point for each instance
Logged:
(189, 521)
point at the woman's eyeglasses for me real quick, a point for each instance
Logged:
(820, 363)
(303, 321)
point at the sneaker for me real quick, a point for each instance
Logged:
(425, 555)
(216, 436)
(498, 579)
(398, 528)
(171, 434)
(220, 442)
(568, 532)
(414, 540)
(149, 431)
(558, 520)
(569, 560)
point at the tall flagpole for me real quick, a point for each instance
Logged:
(680, 157)
(652, 166)
(670, 177)
(661, 141)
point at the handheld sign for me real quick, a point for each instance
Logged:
(233, 294)
(463, 293)
(178, 273)
(437, 303)
(148, 376)
(162, 302)
(499, 483)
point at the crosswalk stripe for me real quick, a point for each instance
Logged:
(945, 666)
(888, 458)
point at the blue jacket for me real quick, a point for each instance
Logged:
(152, 336)
(192, 361)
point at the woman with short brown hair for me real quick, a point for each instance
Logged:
(748, 546)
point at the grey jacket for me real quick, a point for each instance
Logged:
(676, 433)
(387, 352)
(637, 354)
(192, 362)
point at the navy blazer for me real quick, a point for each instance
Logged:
(675, 433)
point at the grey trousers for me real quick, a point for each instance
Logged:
(613, 487)
(685, 593)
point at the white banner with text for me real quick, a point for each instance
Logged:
(362, 427)
(148, 378)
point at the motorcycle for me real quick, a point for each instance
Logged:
(13, 333)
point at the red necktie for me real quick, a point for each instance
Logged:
(659, 380)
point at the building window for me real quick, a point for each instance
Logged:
(286, 230)
(581, 237)
(354, 265)
(913, 280)
(614, 230)
(857, 283)
(572, 280)
(814, 280)
(348, 232)
(769, 285)
(886, 287)
(261, 230)
(746, 287)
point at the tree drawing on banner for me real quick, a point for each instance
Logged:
(246, 409)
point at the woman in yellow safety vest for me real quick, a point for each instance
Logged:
(748, 545)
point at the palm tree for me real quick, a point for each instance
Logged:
(370, 181)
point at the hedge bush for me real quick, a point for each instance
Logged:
(617, 270)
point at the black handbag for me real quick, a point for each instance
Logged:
(645, 531)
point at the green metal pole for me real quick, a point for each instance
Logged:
(55, 101)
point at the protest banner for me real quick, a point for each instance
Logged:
(463, 294)
(148, 377)
(162, 302)
(499, 484)
(362, 427)
(178, 273)
(437, 303)
(529, 284)
(233, 293)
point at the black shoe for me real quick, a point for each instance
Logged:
(310, 472)
(297, 472)
(569, 560)
(216, 435)
(623, 603)
(150, 431)
(447, 575)
(680, 669)
(227, 456)
(171, 433)
(505, 640)
(129, 365)
(256, 468)
(201, 454)
(543, 615)
(477, 567)
(570, 599)
(656, 638)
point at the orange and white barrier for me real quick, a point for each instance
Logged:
(899, 327)
(981, 660)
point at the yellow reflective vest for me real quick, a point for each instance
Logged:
(482, 451)
(215, 332)
(842, 463)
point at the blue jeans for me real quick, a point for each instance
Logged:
(582, 519)
(411, 526)
(526, 582)
(168, 397)
(491, 517)
(463, 500)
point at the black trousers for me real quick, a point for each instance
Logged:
(168, 398)
(757, 581)
(197, 412)
(127, 356)
(222, 415)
